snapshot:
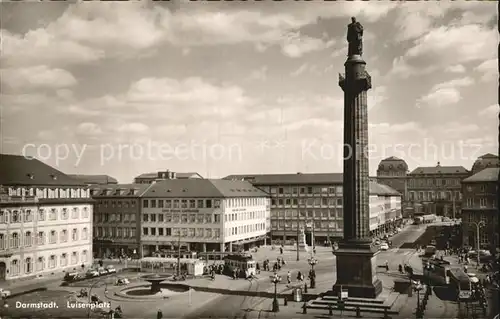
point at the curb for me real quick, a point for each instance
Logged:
(25, 292)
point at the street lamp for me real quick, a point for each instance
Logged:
(478, 227)
(418, 288)
(312, 274)
(275, 280)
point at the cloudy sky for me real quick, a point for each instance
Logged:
(226, 88)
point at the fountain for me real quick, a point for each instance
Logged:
(155, 280)
(153, 291)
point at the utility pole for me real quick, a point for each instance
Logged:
(298, 237)
(179, 254)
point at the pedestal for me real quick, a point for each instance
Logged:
(357, 269)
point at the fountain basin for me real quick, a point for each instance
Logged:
(142, 292)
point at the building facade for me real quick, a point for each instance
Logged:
(117, 219)
(149, 178)
(203, 215)
(485, 161)
(45, 220)
(480, 209)
(313, 202)
(437, 190)
(392, 172)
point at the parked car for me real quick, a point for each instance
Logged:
(91, 273)
(4, 293)
(110, 269)
(102, 271)
(384, 246)
(72, 276)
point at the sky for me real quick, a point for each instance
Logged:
(244, 87)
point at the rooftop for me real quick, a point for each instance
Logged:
(486, 175)
(309, 179)
(118, 190)
(154, 175)
(216, 188)
(438, 169)
(21, 170)
(290, 179)
(94, 179)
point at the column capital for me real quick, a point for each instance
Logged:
(361, 82)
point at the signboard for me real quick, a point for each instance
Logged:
(344, 294)
(180, 211)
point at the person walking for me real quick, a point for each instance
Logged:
(289, 277)
(159, 314)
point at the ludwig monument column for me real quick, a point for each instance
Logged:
(356, 256)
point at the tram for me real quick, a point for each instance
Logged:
(461, 283)
(244, 265)
(189, 266)
(437, 271)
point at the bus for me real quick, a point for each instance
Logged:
(424, 219)
(243, 264)
(436, 271)
(461, 283)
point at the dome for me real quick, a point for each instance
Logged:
(485, 161)
(393, 164)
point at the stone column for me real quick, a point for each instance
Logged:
(204, 247)
(356, 261)
(230, 247)
(222, 247)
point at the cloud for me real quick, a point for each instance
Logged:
(457, 129)
(259, 74)
(89, 129)
(300, 70)
(491, 110)
(489, 69)
(37, 77)
(132, 128)
(295, 45)
(446, 46)
(455, 69)
(376, 97)
(445, 93)
(416, 19)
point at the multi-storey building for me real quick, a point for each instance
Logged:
(94, 179)
(149, 178)
(480, 209)
(314, 202)
(117, 219)
(45, 220)
(392, 172)
(485, 161)
(203, 215)
(436, 190)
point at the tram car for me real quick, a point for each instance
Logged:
(244, 265)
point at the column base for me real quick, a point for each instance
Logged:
(357, 269)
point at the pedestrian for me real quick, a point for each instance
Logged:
(289, 277)
(159, 314)
(281, 250)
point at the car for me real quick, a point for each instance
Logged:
(377, 242)
(110, 269)
(91, 273)
(398, 230)
(72, 276)
(384, 246)
(102, 271)
(4, 293)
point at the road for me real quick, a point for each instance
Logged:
(227, 306)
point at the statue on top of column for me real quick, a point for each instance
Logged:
(355, 38)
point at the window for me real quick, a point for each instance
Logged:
(469, 202)
(84, 256)
(28, 265)
(160, 231)
(41, 238)
(64, 213)
(52, 261)
(74, 234)
(153, 231)
(74, 213)
(153, 203)
(15, 267)
(85, 233)
(53, 214)
(160, 218)
(40, 264)
(74, 258)
(28, 217)
(64, 260)
(482, 202)
(63, 236)
(52, 237)
(200, 203)
(14, 240)
(85, 212)
(145, 231)
(168, 203)
(145, 203)
(209, 203)
(15, 217)
(28, 239)
(145, 218)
